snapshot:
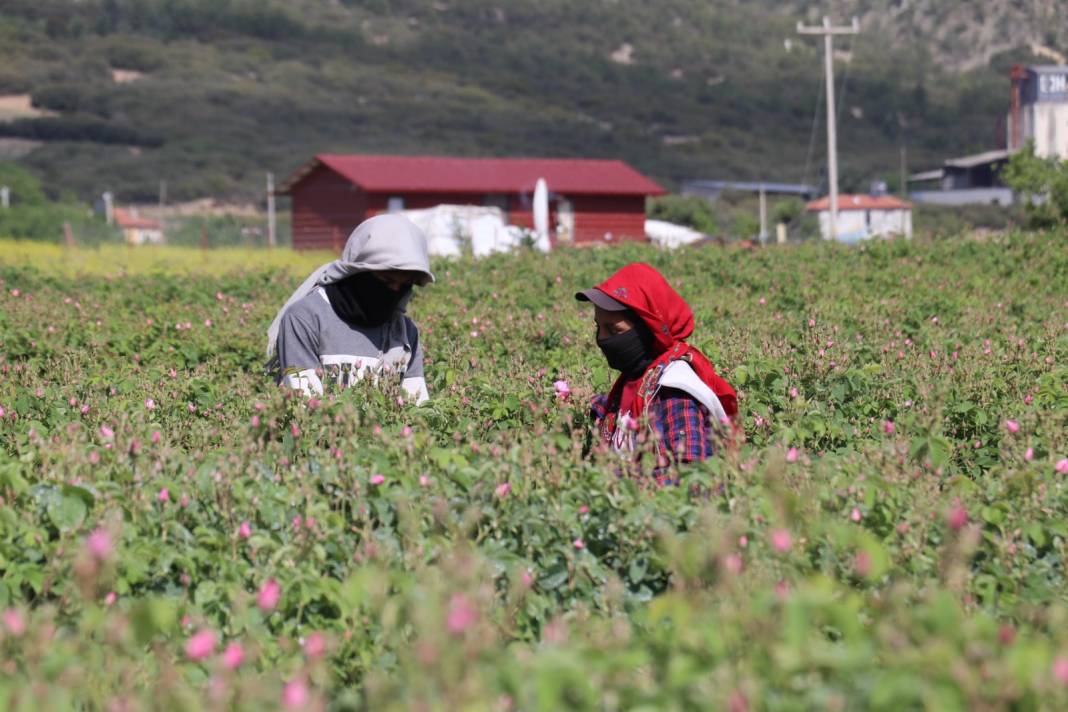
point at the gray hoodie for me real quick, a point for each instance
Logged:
(305, 325)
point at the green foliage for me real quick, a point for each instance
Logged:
(33, 216)
(912, 566)
(235, 88)
(688, 210)
(789, 211)
(25, 188)
(746, 225)
(226, 231)
(1044, 184)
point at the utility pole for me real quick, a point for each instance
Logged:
(109, 207)
(829, 31)
(904, 174)
(763, 215)
(270, 211)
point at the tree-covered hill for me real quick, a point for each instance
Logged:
(208, 94)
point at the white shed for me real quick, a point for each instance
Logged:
(864, 216)
(136, 229)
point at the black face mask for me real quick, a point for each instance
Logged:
(630, 352)
(364, 300)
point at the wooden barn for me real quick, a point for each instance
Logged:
(589, 200)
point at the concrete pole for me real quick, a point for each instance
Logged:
(904, 173)
(763, 215)
(109, 207)
(5, 197)
(828, 31)
(832, 129)
(271, 224)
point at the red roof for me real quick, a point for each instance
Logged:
(441, 174)
(860, 202)
(125, 219)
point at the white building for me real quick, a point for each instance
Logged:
(137, 230)
(1039, 110)
(863, 216)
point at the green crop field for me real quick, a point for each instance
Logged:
(177, 533)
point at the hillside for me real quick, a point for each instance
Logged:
(207, 94)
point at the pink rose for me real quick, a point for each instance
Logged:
(781, 540)
(270, 592)
(14, 622)
(233, 656)
(315, 645)
(98, 544)
(201, 645)
(563, 390)
(957, 517)
(462, 615)
(1060, 669)
(295, 694)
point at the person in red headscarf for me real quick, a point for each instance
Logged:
(667, 393)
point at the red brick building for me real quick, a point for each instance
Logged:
(590, 200)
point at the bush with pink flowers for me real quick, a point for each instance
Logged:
(891, 533)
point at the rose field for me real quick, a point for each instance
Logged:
(178, 533)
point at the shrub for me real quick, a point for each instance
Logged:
(1042, 183)
(688, 210)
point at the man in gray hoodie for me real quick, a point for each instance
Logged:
(347, 320)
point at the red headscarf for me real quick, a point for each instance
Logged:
(646, 293)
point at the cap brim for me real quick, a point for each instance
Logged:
(600, 299)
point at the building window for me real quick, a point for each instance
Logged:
(395, 204)
(496, 200)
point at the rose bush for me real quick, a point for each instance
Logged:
(883, 538)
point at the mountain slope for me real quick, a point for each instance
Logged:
(208, 94)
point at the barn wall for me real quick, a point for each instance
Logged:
(597, 216)
(378, 203)
(326, 208)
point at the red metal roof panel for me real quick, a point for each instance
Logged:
(440, 174)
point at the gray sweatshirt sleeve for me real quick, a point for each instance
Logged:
(414, 383)
(415, 366)
(298, 340)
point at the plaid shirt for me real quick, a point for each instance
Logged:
(682, 425)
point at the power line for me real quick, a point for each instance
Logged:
(812, 135)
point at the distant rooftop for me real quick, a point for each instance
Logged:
(859, 202)
(690, 187)
(1048, 68)
(979, 159)
(129, 219)
(447, 174)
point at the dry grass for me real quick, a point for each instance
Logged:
(115, 260)
(19, 106)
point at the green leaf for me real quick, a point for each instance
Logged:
(67, 512)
